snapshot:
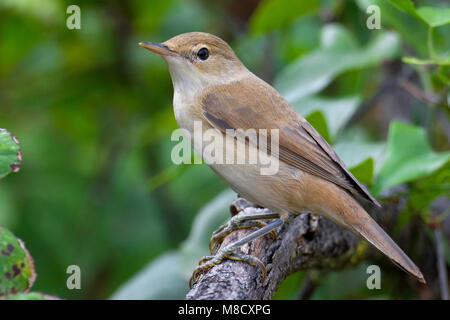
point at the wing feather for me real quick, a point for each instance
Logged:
(300, 145)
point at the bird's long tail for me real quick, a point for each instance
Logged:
(355, 218)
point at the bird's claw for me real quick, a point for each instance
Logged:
(239, 221)
(208, 262)
(235, 223)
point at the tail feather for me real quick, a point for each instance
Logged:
(373, 233)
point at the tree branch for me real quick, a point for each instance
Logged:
(306, 241)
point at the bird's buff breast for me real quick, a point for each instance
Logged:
(273, 191)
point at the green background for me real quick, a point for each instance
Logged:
(93, 113)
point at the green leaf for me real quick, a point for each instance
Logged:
(336, 37)
(364, 171)
(362, 158)
(407, 6)
(425, 190)
(336, 111)
(409, 157)
(413, 33)
(273, 14)
(16, 265)
(317, 120)
(10, 154)
(355, 153)
(313, 72)
(434, 17)
(422, 194)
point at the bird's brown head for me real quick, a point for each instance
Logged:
(197, 57)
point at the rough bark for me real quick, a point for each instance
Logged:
(306, 241)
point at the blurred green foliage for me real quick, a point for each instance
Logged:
(93, 112)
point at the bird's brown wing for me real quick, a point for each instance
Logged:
(256, 105)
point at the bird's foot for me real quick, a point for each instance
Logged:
(240, 221)
(231, 226)
(228, 252)
(208, 262)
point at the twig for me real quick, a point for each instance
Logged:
(441, 265)
(307, 288)
(430, 98)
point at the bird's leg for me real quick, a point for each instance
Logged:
(242, 220)
(228, 252)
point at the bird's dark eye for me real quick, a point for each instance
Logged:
(203, 54)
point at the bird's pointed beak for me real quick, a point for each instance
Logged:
(158, 48)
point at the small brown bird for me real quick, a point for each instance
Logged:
(214, 88)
